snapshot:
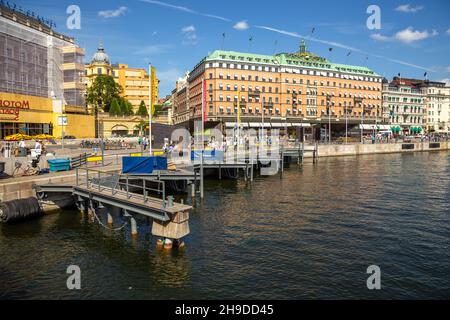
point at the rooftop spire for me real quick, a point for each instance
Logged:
(302, 46)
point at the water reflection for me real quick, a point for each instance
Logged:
(310, 234)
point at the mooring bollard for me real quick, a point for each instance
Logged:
(168, 244)
(170, 201)
(134, 230)
(110, 219)
(193, 190)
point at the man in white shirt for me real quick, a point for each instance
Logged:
(38, 147)
(22, 144)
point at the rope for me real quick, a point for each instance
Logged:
(106, 227)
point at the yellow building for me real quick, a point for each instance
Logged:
(36, 115)
(134, 81)
(135, 88)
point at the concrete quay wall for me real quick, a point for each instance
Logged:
(363, 149)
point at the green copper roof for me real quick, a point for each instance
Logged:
(302, 58)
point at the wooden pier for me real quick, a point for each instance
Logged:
(95, 189)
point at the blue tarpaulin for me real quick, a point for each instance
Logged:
(143, 165)
(208, 155)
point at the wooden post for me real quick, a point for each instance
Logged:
(193, 189)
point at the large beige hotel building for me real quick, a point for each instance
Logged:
(282, 89)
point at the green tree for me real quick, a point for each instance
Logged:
(141, 126)
(102, 91)
(129, 111)
(100, 95)
(126, 108)
(142, 111)
(114, 110)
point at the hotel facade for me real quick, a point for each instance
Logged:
(287, 89)
(417, 106)
(41, 79)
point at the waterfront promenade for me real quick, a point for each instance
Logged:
(22, 187)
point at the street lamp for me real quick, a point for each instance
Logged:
(360, 101)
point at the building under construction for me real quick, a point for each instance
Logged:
(37, 62)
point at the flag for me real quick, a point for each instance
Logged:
(425, 74)
(312, 31)
(349, 53)
(153, 83)
(204, 117)
(239, 107)
(399, 74)
(223, 34)
(330, 49)
(250, 39)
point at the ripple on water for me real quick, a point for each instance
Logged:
(311, 234)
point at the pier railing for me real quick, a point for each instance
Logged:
(133, 188)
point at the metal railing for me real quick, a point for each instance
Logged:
(119, 184)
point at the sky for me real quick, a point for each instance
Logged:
(413, 37)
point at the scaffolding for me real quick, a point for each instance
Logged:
(31, 62)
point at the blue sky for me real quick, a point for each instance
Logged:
(174, 35)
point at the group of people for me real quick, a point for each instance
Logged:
(21, 148)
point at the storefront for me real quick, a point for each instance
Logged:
(36, 115)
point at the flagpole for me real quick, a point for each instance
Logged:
(203, 114)
(239, 116)
(150, 106)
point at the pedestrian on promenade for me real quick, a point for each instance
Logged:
(144, 143)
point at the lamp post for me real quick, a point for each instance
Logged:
(150, 107)
(360, 101)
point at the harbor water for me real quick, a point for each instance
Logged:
(311, 233)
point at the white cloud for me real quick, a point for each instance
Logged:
(447, 81)
(447, 69)
(154, 33)
(113, 13)
(185, 9)
(448, 32)
(153, 49)
(379, 37)
(190, 37)
(409, 35)
(188, 29)
(407, 8)
(241, 25)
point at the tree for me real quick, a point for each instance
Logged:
(129, 111)
(102, 91)
(100, 95)
(142, 111)
(114, 110)
(141, 126)
(126, 108)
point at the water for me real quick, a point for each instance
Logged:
(311, 234)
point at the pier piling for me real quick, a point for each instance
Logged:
(134, 230)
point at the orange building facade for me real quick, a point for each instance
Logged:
(298, 87)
